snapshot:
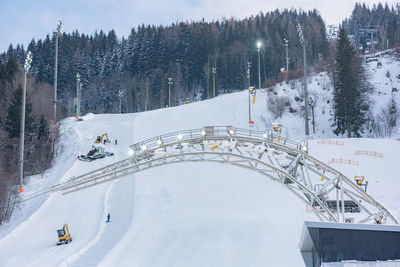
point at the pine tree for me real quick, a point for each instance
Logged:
(42, 127)
(11, 66)
(351, 88)
(12, 120)
(3, 72)
(393, 113)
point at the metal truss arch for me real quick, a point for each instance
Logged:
(327, 192)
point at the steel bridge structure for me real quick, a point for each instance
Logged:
(331, 195)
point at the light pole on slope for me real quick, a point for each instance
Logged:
(57, 33)
(27, 66)
(259, 44)
(120, 94)
(169, 91)
(214, 71)
(78, 95)
(287, 57)
(248, 86)
(303, 43)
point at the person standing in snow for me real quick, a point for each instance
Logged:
(108, 217)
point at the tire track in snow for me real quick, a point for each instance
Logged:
(119, 201)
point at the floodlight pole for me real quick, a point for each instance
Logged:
(214, 71)
(120, 94)
(55, 71)
(287, 56)
(78, 95)
(303, 43)
(169, 91)
(372, 43)
(305, 92)
(248, 73)
(248, 87)
(259, 64)
(27, 66)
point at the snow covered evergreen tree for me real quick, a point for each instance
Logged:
(351, 88)
(12, 120)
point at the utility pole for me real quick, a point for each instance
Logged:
(120, 94)
(287, 56)
(303, 43)
(55, 71)
(248, 85)
(27, 66)
(169, 91)
(78, 95)
(214, 71)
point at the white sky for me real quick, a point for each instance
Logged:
(22, 20)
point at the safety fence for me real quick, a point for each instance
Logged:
(344, 161)
(330, 142)
(369, 153)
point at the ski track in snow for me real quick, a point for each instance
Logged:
(109, 234)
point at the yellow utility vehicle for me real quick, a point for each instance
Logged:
(64, 237)
(360, 182)
(103, 138)
(276, 127)
(359, 179)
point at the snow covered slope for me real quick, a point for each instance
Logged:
(188, 214)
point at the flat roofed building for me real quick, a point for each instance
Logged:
(323, 242)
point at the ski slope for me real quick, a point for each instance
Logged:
(187, 214)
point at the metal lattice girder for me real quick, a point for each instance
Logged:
(317, 184)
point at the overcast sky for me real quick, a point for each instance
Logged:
(22, 20)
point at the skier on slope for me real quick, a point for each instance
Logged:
(108, 217)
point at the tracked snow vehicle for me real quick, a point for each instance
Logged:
(95, 153)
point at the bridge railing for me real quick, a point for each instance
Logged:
(210, 133)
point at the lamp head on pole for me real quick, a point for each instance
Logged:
(59, 23)
(28, 61)
(286, 41)
(259, 44)
(300, 33)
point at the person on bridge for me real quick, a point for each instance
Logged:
(108, 217)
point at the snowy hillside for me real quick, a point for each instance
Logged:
(189, 214)
(384, 75)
